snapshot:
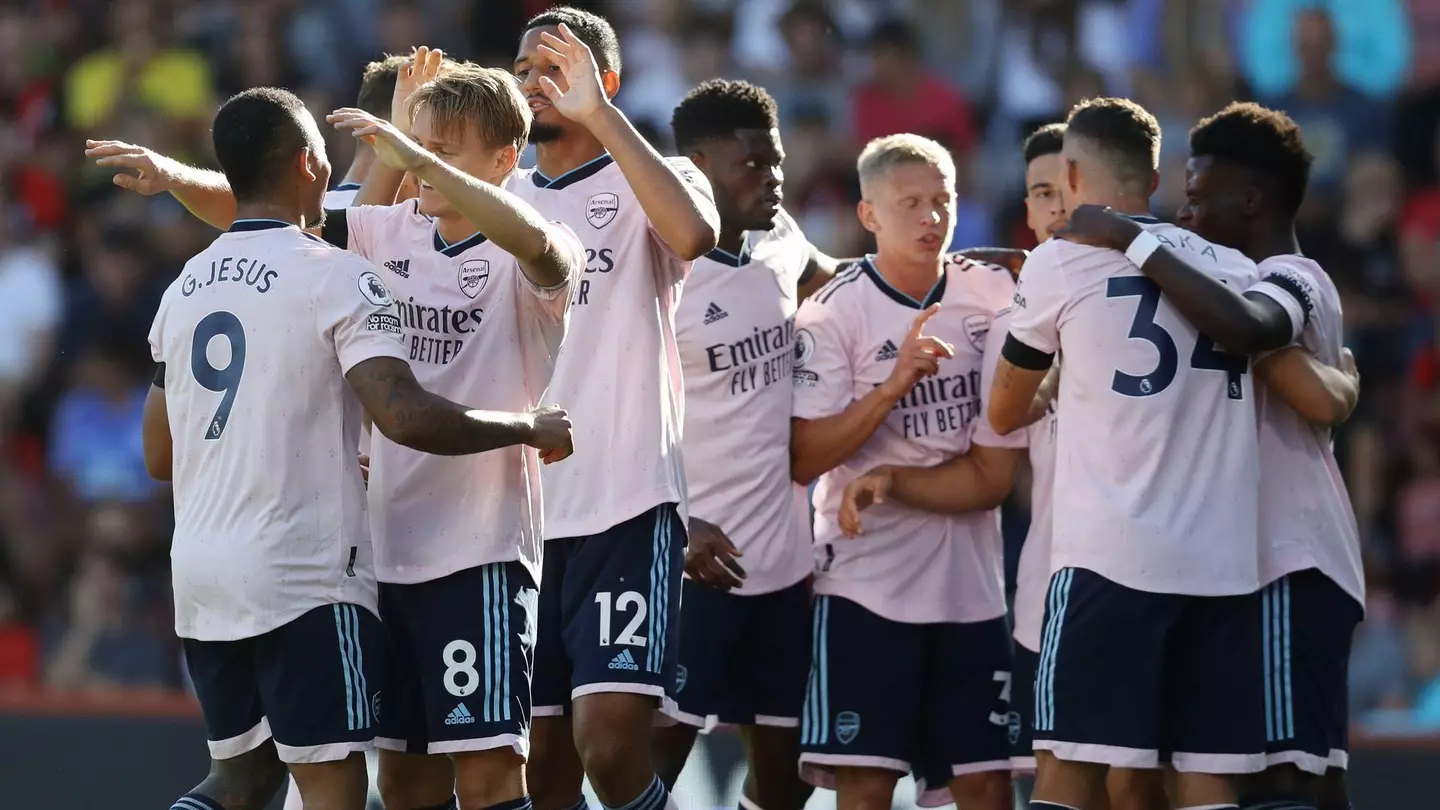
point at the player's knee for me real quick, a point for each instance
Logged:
(989, 789)
(488, 778)
(1136, 789)
(414, 781)
(670, 748)
(248, 781)
(866, 788)
(612, 735)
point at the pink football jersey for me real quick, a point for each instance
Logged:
(1156, 479)
(256, 335)
(478, 332)
(909, 565)
(736, 327)
(621, 377)
(1306, 520)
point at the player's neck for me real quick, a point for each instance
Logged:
(454, 229)
(731, 239)
(360, 166)
(571, 151)
(1278, 241)
(269, 210)
(914, 278)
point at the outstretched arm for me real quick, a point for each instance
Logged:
(410, 415)
(204, 193)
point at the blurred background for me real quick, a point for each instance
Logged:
(85, 628)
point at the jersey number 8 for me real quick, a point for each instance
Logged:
(220, 380)
(1205, 356)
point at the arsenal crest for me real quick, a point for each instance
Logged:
(976, 328)
(600, 209)
(474, 273)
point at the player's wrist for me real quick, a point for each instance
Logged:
(603, 120)
(1141, 247)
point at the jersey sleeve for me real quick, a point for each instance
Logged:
(697, 181)
(823, 374)
(1293, 289)
(1040, 298)
(983, 433)
(356, 314)
(355, 229)
(551, 303)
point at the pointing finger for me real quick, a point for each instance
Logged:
(919, 323)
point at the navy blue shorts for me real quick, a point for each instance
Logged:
(923, 698)
(744, 660)
(1020, 725)
(1307, 625)
(464, 645)
(609, 611)
(1127, 674)
(314, 685)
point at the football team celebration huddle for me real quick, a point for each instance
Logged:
(506, 472)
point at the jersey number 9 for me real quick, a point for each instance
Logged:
(225, 380)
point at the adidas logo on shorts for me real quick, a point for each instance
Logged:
(887, 352)
(624, 661)
(714, 313)
(459, 716)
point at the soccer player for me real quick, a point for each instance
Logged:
(272, 559)
(745, 629)
(1246, 179)
(911, 652)
(1154, 550)
(615, 516)
(377, 88)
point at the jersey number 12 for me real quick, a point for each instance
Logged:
(225, 380)
(1205, 356)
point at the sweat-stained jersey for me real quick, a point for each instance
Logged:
(909, 565)
(1157, 477)
(256, 335)
(736, 329)
(1306, 520)
(477, 332)
(620, 374)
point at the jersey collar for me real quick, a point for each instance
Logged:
(573, 176)
(1143, 220)
(936, 293)
(246, 225)
(729, 259)
(347, 187)
(456, 249)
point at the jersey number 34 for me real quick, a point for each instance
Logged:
(1206, 355)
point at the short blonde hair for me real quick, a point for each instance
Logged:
(487, 98)
(882, 154)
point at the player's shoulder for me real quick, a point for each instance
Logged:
(1302, 270)
(1187, 241)
(688, 171)
(977, 278)
(845, 290)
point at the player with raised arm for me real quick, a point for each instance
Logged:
(1246, 180)
(1154, 550)
(272, 562)
(377, 89)
(910, 645)
(745, 629)
(615, 516)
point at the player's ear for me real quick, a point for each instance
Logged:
(865, 210)
(506, 159)
(698, 158)
(610, 81)
(309, 165)
(1072, 176)
(1154, 183)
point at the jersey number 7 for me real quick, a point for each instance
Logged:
(1205, 355)
(220, 380)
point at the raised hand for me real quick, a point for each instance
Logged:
(710, 557)
(919, 356)
(551, 433)
(139, 169)
(391, 145)
(584, 95)
(422, 66)
(1099, 226)
(861, 494)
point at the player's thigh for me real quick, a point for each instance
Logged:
(710, 659)
(1307, 623)
(550, 682)
(472, 636)
(336, 784)
(322, 677)
(1214, 713)
(770, 755)
(774, 659)
(1019, 724)
(414, 781)
(863, 696)
(227, 687)
(620, 605)
(965, 719)
(1097, 684)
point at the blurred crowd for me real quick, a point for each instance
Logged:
(84, 599)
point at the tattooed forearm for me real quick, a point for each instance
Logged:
(409, 415)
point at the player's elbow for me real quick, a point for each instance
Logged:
(698, 238)
(1003, 420)
(159, 467)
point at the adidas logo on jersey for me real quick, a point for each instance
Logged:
(887, 352)
(624, 661)
(714, 313)
(459, 716)
(400, 267)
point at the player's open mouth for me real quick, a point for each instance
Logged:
(538, 103)
(930, 240)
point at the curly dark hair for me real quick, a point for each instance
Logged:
(1265, 141)
(717, 108)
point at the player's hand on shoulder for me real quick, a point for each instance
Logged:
(584, 95)
(365, 467)
(138, 169)
(391, 145)
(1348, 367)
(861, 494)
(422, 66)
(919, 356)
(710, 557)
(1099, 226)
(551, 433)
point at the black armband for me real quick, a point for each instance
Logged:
(159, 379)
(1026, 357)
